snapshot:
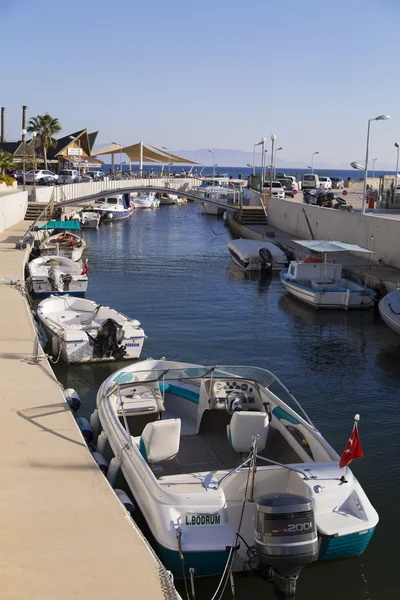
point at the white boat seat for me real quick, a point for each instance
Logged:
(160, 440)
(243, 426)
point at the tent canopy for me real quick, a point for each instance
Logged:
(324, 246)
(145, 153)
(74, 224)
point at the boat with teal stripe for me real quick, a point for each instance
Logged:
(227, 468)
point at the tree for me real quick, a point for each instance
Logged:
(45, 126)
(6, 162)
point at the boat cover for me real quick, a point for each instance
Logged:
(73, 224)
(325, 246)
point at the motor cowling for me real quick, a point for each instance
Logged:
(108, 342)
(266, 259)
(286, 537)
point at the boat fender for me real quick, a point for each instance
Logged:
(72, 397)
(101, 461)
(55, 345)
(85, 428)
(95, 422)
(125, 500)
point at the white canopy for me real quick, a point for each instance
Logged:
(326, 246)
(141, 152)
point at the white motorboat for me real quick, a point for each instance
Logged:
(61, 241)
(89, 219)
(167, 199)
(219, 464)
(389, 308)
(114, 207)
(146, 200)
(253, 255)
(321, 283)
(57, 275)
(82, 331)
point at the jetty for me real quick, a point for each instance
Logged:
(64, 533)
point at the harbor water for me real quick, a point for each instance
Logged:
(170, 269)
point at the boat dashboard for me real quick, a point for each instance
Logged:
(231, 393)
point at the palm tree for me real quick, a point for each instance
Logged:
(6, 162)
(45, 126)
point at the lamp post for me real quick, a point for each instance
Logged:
(213, 159)
(397, 169)
(169, 161)
(120, 155)
(24, 132)
(277, 150)
(263, 140)
(364, 199)
(312, 161)
(71, 137)
(34, 134)
(373, 167)
(273, 138)
(254, 155)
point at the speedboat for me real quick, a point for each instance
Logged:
(62, 241)
(146, 200)
(114, 208)
(57, 275)
(225, 472)
(321, 283)
(81, 330)
(253, 255)
(389, 308)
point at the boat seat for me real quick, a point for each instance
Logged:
(159, 440)
(244, 426)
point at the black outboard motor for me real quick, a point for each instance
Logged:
(266, 259)
(107, 343)
(286, 537)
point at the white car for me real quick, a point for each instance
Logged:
(41, 177)
(277, 189)
(325, 183)
(68, 176)
(310, 181)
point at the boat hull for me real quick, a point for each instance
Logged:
(45, 288)
(389, 309)
(109, 215)
(212, 209)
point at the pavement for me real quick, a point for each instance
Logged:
(64, 533)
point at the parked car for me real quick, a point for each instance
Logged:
(289, 187)
(277, 189)
(68, 176)
(337, 183)
(310, 181)
(93, 176)
(325, 183)
(42, 177)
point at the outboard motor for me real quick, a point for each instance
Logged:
(286, 537)
(266, 259)
(108, 341)
(59, 281)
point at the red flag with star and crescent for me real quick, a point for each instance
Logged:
(353, 447)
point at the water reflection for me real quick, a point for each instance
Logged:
(263, 278)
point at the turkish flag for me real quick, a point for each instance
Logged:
(353, 448)
(71, 244)
(85, 269)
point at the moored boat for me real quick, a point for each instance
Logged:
(62, 241)
(253, 255)
(146, 200)
(219, 463)
(81, 330)
(57, 275)
(389, 308)
(89, 219)
(114, 207)
(321, 283)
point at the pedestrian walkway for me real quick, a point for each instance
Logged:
(64, 533)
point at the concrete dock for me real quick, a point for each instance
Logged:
(64, 533)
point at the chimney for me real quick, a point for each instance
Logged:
(24, 122)
(3, 129)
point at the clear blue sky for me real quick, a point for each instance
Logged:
(216, 73)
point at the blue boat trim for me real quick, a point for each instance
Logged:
(181, 392)
(280, 414)
(204, 563)
(286, 279)
(345, 546)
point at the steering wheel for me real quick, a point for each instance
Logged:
(236, 401)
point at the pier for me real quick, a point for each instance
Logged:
(64, 533)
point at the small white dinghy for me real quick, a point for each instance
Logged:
(89, 219)
(62, 242)
(253, 255)
(321, 283)
(389, 308)
(57, 275)
(82, 331)
(144, 200)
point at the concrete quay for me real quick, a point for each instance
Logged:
(64, 533)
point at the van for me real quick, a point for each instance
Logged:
(310, 181)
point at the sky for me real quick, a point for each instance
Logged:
(212, 74)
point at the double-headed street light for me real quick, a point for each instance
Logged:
(277, 150)
(312, 161)
(364, 200)
(254, 153)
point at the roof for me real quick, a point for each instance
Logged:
(74, 224)
(92, 139)
(10, 147)
(149, 153)
(64, 142)
(326, 246)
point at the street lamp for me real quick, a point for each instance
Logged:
(34, 134)
(254, 155)
(364, 200)
(277, 150)
(273, 138)
(24, 132)
(397, 169)
(169, 161)
(312, 161)
(120, 155)
(71, 137)
(213, 158)
(373, 167)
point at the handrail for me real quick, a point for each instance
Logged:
(278, 464)
(19, 245)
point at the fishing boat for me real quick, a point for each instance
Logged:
(389, 308)
(253, 255)
(225, 471)
(146, 200)
(62, 241)
(114, 208)
(81, 330)
(56, 275)
(321, 283)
